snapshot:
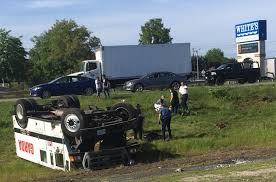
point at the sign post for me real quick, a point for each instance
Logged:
(250, 39)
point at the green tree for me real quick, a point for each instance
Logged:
(215, 57)
(154, 32)
(60, 50)
(12, 57)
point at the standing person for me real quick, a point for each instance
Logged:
(183, 92)
(165, 118)
(98, 84)
(157, 104)
(106, 86)
(174, 101)
(138, 128)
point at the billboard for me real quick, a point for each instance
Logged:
(248, 48)
(252, 31)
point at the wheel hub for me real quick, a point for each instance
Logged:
(123, 113)
(19, 111)
(72, 123)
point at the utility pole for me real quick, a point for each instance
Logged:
(197, 69)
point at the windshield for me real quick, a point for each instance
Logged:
(221, 67)
(82, 66)
(55, 80)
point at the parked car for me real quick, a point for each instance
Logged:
(64, 85)
(155, 80)
(242, 72)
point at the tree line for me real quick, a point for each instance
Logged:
(60, 50)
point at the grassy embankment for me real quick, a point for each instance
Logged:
(248, 114)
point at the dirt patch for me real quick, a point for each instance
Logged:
(167, 166)
(254, 101)
(211, 177)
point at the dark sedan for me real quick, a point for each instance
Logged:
(155, 80)
(64, 85)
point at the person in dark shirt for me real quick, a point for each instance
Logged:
(106, 86)
(174, 101)
(138, 128)
(165, 118)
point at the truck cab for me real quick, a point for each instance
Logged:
(242, 72)
(89, 68)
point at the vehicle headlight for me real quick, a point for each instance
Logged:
(132, 151)
(129, 84)
(213, 73)
(36, 88)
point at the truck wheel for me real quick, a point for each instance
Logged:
(45, 94)
(88, 91)
(242, 81)
(139, 87)
(252, 80)
(76, 100)
(68, 101)
(72, 122)
(175, 85)
(34, 105)
(210, 82)
(220, 80)
(126, 111)
(22, 106)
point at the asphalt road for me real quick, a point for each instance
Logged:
(230, 84)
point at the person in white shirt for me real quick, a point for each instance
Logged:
(183, 93)
(157, 104)
(98, 84)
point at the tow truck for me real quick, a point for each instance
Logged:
(60, 135)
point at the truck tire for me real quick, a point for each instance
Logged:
(72, 122)
(46, 94)
(67, 101)
(252, 80)
(126, 111)
(89, 91)
(138, 87)
(34, 105)
(22, 106)
(175, 85)
(220, 80)
(208, 82)
(242, 81)
(76, 100)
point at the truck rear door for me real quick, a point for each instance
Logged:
(239, 71)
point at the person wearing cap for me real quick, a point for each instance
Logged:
(183, 92)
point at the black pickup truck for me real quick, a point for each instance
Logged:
(242, 72)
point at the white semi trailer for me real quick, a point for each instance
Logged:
(122, 63)
(268, 68)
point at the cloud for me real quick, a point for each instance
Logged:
(51, 3)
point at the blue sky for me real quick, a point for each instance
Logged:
(204, 23)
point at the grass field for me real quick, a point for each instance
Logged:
(246, 113)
